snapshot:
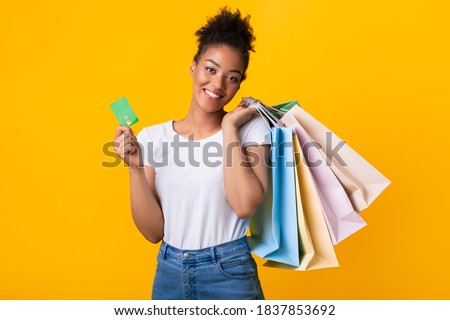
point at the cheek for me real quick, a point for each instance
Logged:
(201, 78)
(234, 88)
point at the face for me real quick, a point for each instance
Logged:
(216, 77)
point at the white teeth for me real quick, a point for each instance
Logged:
(212, 94)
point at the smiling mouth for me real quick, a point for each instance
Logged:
(212, 95)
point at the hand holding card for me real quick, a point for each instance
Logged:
(126, 145)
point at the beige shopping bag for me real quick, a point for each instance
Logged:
(316, 247)
(361, 181)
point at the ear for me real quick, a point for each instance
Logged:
(192, 68)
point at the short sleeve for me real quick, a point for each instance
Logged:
(255, 132)
(144, 141)
(150, 139)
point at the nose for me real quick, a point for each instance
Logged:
(218, 82)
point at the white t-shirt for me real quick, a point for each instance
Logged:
(190, 184)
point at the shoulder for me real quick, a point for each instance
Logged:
(155, 132)
(256, 122)
(151, 139)
(255, 131)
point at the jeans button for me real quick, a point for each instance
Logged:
(185, 255)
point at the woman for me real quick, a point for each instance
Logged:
(195, 182)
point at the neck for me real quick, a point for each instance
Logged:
(199, 123)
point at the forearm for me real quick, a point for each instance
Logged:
(243, 189)
(146, 211)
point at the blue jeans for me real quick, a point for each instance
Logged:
(226, 271)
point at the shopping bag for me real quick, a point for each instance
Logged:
(264, 225)
(315, 245)
(274, 233)
(305, 245)
(342, 220)
(361, 181)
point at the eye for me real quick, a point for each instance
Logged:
(210, 70)
(233, 79)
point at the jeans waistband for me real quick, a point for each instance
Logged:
(211, 253)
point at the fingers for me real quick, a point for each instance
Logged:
(128, 149)
(240, 108)
(125, 143)
(126, 136)
(244, 101)
(125, 151)
(122, 129)
(241, 104)
(134, 145)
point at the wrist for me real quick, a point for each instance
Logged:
(136, 170)
(229, 128)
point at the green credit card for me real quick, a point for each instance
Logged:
(123, 112)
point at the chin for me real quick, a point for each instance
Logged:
(213, 106)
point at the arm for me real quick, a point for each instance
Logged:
(246, 182)
(145, 207)
(245, 169)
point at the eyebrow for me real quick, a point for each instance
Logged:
(218, 65)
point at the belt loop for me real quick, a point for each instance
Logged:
(213, 254)
(164, 249)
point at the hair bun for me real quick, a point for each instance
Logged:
(228, 28)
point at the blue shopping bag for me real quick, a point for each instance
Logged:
(274, 227)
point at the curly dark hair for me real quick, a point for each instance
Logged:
(230, 29)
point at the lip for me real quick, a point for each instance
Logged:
(216, 93)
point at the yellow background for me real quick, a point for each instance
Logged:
(375, 72)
